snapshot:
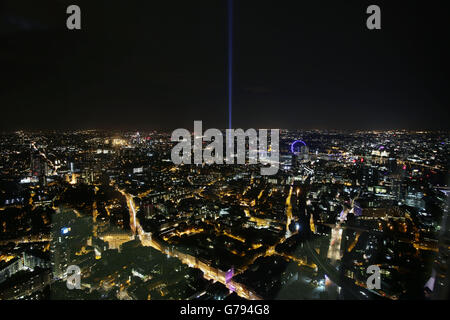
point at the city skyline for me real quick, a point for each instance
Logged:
(327, 177)
(137, 226)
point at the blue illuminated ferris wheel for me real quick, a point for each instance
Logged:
(297, 145)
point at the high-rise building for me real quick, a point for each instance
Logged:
(441, 268)
(38, 168)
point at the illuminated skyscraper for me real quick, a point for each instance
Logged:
(38, 168)
(439, 281)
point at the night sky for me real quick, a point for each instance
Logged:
(163, 64)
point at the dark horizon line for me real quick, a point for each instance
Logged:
(136, 129)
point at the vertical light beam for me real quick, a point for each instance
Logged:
(230, 62)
